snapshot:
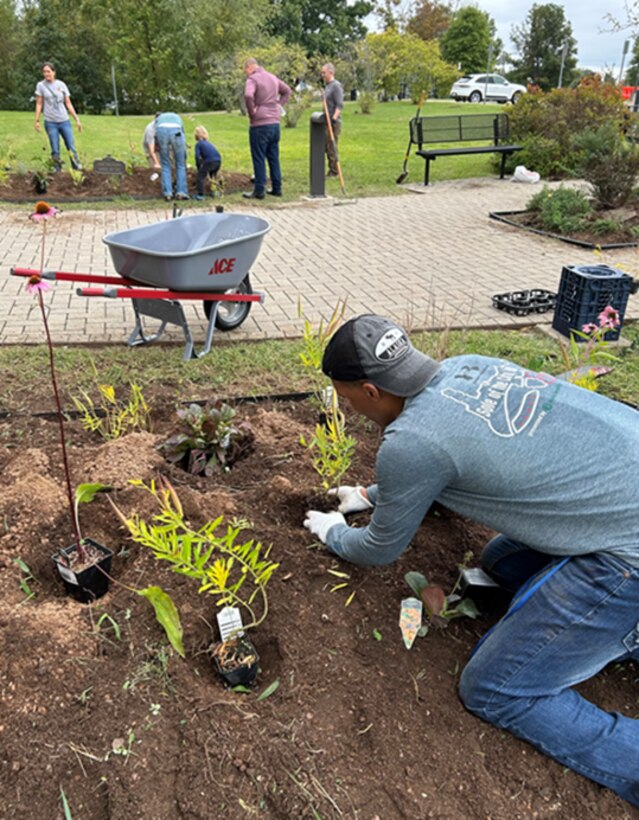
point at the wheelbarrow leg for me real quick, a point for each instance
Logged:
(210, 329)
(167, 312)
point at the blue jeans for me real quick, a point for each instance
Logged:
(55, 130)
(265, 147)
(584, 617)
(172, 141)
(207, 169)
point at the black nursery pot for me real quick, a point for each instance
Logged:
(243, 674)
(91, 583)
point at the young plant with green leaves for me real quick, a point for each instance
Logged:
(314, 341)
(234, 571)
(112, 417)
(440, 608)
(211, 440)
(331, 448)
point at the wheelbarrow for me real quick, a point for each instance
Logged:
(204, 257)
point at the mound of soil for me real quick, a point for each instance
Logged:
(96, 704)
(95, 186)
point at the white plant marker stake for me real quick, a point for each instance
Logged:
(229, 620)
(410, 620)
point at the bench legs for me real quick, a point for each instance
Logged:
(503, 164)
(426, 170)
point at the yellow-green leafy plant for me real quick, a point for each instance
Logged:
(331, 448)
(77, 176)
(112, 417)
(235, 571)
(314, 341)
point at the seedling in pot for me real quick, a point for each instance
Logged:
(79, 551)
(234, 571)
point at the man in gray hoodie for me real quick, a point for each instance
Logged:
(264, 95)
(551, 466)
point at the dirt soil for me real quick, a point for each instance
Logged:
(627, 219)
(96, 704)
(96, 186)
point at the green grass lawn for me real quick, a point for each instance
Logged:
(254, 368)
(372, 147)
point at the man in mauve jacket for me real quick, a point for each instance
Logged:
(264, 95)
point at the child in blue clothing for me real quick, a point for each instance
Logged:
(207, 159)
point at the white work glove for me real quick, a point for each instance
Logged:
(352, 499)
(319, 523)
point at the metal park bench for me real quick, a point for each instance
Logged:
(462, 128)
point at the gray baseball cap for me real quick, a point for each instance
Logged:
(373, 348)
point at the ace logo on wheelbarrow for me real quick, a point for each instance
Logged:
(222, 266)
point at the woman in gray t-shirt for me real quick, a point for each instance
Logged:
(54, 100)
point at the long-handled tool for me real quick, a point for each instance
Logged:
(404, 172)
(331, 136)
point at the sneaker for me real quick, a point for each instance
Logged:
(182, 196)
(252, 195)
(167, 198)
(199, 197)
(274, 193)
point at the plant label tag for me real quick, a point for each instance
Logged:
(410, 620)
(68, 575)
(229, 620)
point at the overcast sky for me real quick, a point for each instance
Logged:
(597, 46)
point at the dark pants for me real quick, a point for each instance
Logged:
(265, 147)
(206, 169)
(331, 149)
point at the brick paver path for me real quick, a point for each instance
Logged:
(427, 259)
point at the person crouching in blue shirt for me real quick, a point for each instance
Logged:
(207, 159)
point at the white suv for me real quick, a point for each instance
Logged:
(478, 87)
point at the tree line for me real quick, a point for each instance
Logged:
(187, 54)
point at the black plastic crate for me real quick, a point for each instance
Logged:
(584, 291)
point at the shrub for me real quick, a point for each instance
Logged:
(296, 106)
(609, 163)
(563, 210)
(563, 113)
(539, 154)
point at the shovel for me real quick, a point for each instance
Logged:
(331, 136)
(404, 172)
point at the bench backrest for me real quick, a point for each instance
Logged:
(460, 128)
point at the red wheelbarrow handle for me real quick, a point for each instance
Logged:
(60, 276)
(154, 293)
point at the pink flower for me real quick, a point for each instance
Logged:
(43, 211)
(589, 328)
(36, 283)
(609, 317)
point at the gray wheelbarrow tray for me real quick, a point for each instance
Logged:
(207, 252)
(196, 256)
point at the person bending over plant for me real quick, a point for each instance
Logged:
(555, 469)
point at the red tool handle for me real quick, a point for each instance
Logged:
(59, 276)
(153, 293)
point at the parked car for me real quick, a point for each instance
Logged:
(478, 87)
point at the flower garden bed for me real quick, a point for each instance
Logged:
(97, 704)
(96, 187)
(529, 221)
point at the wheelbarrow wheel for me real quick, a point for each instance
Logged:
(231, 314)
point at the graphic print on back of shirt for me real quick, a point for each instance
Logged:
(509, 399)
